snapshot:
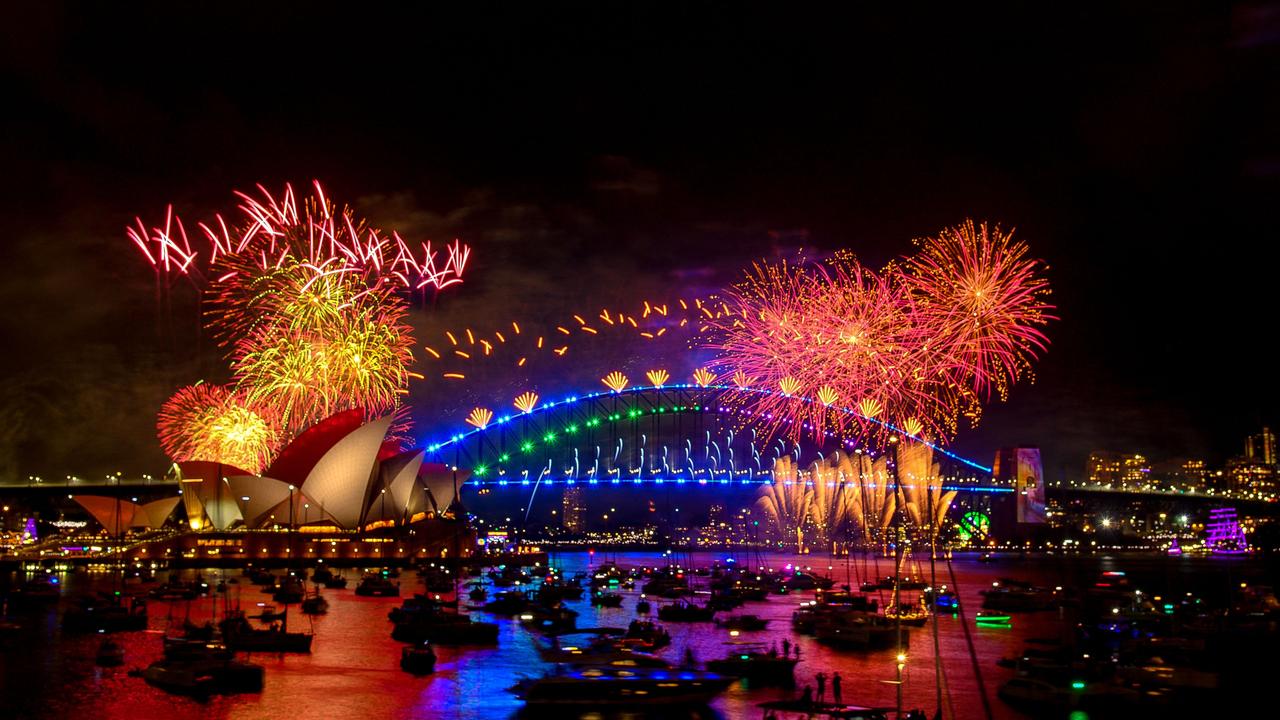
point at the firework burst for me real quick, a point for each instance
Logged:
(308, 302)
(217, 424)
(922, 342)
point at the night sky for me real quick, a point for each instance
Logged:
(592, 152)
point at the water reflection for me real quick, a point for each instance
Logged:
(353, 671)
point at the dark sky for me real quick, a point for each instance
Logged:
(575, 147)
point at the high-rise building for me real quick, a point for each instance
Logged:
(1261, 448)
(1182, 474)
(1118, 470)
(574, 510)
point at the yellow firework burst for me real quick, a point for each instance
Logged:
(826, 395)
(789, 386)
(480, 417)
(615, 381)
(526, 401)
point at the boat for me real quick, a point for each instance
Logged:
(1042, 698)
(606, 599)
(201, 674)
(642, 605)
(315, 604)
(289, 590)
(685, 612)
(854, 629)
(418, 659)
(261, 578)
(105, 613)
(173, 590)
(743, 622)
(375, 585)
(478, 593)
(241, 636)
(110, 654)
(596, 655)
(557, 619)
(508, 602)
(268, 613)
(752, 663)
(328, 578)
(913, 615)
(992, 619)
(651, 635)
(946, 601)
(435, 625)
(614, 686)
(1017, 596)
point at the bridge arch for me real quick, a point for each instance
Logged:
(680, 433)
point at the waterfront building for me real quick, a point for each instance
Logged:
(1118, 471)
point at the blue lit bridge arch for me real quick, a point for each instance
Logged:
(681, 434)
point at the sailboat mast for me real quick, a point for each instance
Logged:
(897, 561)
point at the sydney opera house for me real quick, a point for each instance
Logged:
(341, 490)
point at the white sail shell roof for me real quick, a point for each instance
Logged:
(339, 482)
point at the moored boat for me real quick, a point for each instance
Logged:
(743, 622)
(375, 585)
(685, 612)
(614, 686)
(418, 659)
(315, 604)
(202, 676)
(751, 662)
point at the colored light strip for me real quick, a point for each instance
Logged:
(757, 480)
(436, 447)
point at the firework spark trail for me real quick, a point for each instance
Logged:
(919, 344)
(307, 301)
(851, 496)
(214, 423)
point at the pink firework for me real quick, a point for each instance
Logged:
(308, 302)
(919, 344)
(979, 294)
(313, 233)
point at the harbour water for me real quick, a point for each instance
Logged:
(353, 673)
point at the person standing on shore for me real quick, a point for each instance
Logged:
(822, 687)
(835, 688)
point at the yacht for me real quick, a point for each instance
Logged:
(241, 636)
(685, 612)
(201, 672)
(743, 622)
(751, 662)
(615, 686)
(373, 584)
